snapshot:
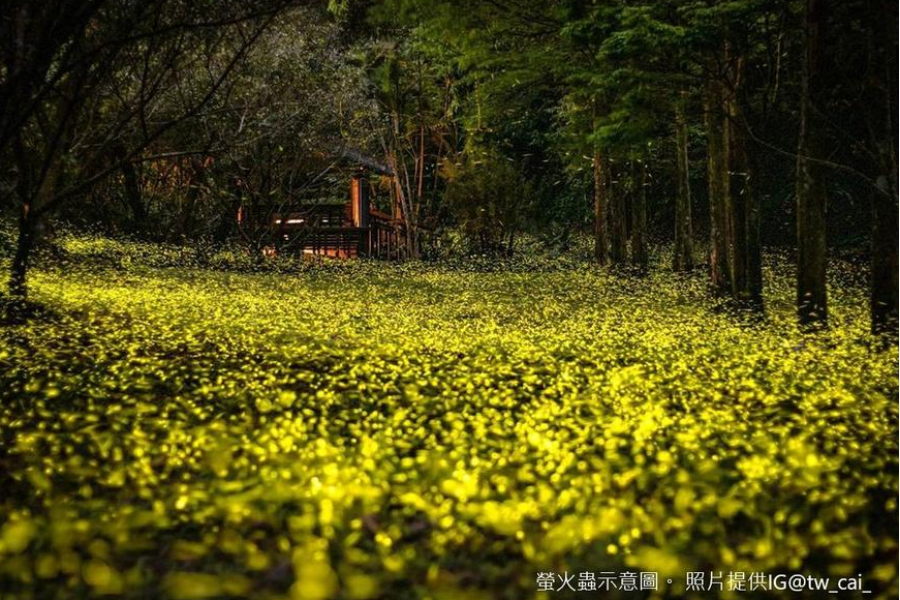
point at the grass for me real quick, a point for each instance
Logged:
(357, 430)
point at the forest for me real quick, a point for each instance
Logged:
(448, 299)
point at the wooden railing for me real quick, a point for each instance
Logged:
(385, 240)
(328, 230)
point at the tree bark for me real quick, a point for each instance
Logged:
(717, 175)
(754, 245)
(196, 180)
(882, 107)
(618, 225)
(601, 197)
(18, 288)
(37, 195)
(884, 262)
(683, 259)
(133, 196)
(746, 254)
(29, 221)
(812, 307)
(639, 256)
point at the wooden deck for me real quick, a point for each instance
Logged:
(329, 230)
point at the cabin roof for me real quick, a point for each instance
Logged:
(360, 158)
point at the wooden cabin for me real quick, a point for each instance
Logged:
(355, 228)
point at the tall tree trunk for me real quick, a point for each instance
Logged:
(18, 288)
(639, 218)
(601, 196)
(411, 215)
(420, 165)
(407, 206)
(746, 259)
(683, 259)
(719, 203)
(754, 244)
(197, 177)
(29, 229)
(812, 307)
(618, 225)
(133, 196)
(884, 262)
(37, 195)
(882, 118)
(29, 225)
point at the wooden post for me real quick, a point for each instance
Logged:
(359, 202)
(359, 193)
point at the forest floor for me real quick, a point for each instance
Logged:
(361, 430)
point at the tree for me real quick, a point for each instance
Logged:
(881, 111)
(618, 214)
(743, 230)
(600, 169)
(639, 255)
(726, 42)
(719, 203)
(684, 247)
(620, 69)
(812, 198)
(81, 77)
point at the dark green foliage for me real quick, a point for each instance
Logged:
(488, 199)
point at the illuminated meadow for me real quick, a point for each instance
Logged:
(357, 430)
